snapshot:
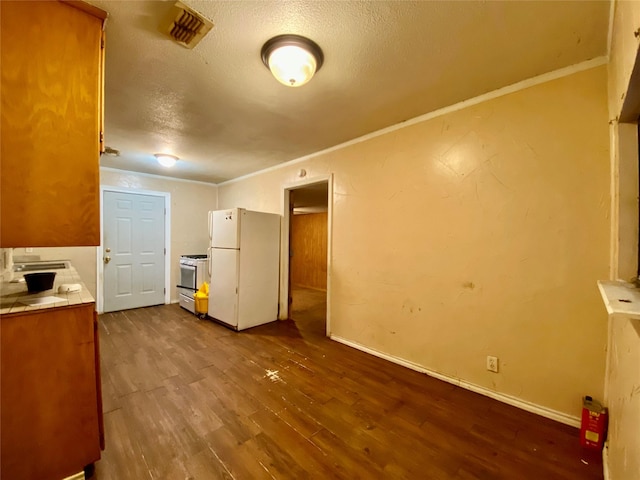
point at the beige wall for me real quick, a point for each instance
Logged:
(624, 49)
(623, 375)
(479, 232)
(190, 202)
(6, 264)
(623, 384)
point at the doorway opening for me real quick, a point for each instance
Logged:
(306, 244)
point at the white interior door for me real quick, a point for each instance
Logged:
(134, 248)
(223, 289)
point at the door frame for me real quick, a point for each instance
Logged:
(284, 235)
(167, 241)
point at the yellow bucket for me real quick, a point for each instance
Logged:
(202, 302)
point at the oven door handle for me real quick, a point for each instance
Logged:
(187, 288)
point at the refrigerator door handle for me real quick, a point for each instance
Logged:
(209, 226)
(209, 262)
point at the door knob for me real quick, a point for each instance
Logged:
(107, 259)
(107, 249)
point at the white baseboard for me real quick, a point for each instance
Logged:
(502, 397)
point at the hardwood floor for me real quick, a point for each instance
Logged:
(186, 398)
(309, 310)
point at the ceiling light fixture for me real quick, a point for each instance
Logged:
(166, 160)
(292, 59)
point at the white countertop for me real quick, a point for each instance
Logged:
(620, 298)
(14, 297)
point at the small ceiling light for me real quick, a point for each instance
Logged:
(166, 160)
(292, 59)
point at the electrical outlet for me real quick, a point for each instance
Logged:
(492, 364)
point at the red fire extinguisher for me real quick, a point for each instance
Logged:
(593, 427)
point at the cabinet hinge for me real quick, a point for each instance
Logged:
(101, 137)
(102, 43)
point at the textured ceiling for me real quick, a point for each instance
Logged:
(219, 109)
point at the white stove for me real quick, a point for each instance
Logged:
(193, 273)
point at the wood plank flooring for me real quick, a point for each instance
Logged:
(186, 398)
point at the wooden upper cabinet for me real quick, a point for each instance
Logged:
(52, 57)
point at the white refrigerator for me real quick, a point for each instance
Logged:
(244, 258)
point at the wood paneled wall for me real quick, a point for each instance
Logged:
(309, 249)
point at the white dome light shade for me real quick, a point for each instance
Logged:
(292, 65)
(292, 59)
(166, 160)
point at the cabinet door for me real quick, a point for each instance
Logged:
(49, 422)
(51, 116)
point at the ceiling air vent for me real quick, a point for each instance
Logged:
(186, 26)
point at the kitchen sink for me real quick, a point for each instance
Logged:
(42, 265)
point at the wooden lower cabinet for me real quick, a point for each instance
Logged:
(51, 410)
